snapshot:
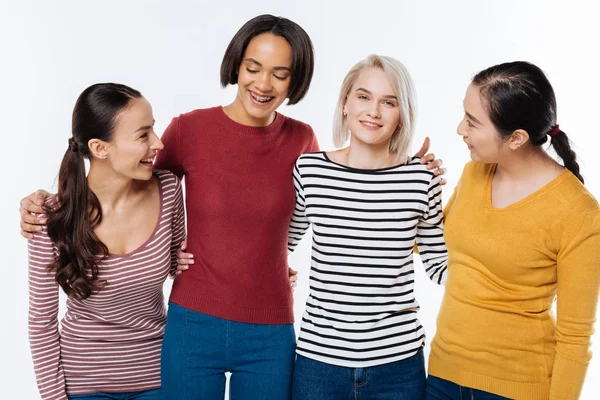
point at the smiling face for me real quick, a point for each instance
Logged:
(371, 109)
(263, 79)
(134, 143)
(478, 131)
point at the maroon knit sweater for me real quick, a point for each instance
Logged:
(239, 201)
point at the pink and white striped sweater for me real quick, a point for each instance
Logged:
(111, 341)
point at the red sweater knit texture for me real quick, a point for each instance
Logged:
(240, 197)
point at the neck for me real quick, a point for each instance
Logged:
(526, 164)
(111, 188)
(238, 113)
(363, 156)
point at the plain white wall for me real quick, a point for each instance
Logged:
(171, 51)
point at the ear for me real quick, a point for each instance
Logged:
(98, 148)
(518, 138)
(345, 109)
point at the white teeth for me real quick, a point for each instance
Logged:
(370, 124)
(260, 98)
(148, 160)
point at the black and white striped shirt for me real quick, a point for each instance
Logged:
(361, 310)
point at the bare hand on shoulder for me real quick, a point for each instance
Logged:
(431, 161)
(30, 205)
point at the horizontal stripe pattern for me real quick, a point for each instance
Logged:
(361, 310)
(110, 341)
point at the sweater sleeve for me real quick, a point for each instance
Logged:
(44, 337)
(430, 235)
(177, 226)
(299, 223)
(170, 158)
(578, 276)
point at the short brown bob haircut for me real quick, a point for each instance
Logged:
(303, 58)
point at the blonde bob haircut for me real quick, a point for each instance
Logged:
(403, 86)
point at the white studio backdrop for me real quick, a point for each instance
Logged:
(171, 51)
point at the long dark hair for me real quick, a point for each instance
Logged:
(519, 96)
(72, 219)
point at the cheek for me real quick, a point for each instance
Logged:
(282, 87)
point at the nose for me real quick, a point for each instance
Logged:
(374, 110)
(157, 144)
(263, 82)
(460, 129)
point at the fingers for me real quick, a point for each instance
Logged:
(293, 274)
(443, 181)
(28, 205)
(184, 259)
(440, 171)
(424, 148)
(40, 197)
(26, 235)
(293, 281)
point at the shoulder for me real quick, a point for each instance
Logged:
(311, 158)
(297, 127)
(167, 180)
(414, 166)
(573, 197)
(194, 117)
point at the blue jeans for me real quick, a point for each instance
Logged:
(145, 395)
(198, 349)
(400, 380)
(441, 389)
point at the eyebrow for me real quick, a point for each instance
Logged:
(279, 68)
(388, 96)
(145, 128)
(473, 118)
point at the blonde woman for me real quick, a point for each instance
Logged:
(369, 203)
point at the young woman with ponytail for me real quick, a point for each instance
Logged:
(109, 243)
(521, 229)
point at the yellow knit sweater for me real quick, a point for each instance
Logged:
(495, 329)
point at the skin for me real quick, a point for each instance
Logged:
(264, 72)
(127, 190)
(373, 116)
(522, 168)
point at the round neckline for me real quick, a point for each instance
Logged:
(525, 200)
(363, 169)
(156, 227)
(232, 125)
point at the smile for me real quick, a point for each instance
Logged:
(370, 125)
(260, 99)
(148, 160)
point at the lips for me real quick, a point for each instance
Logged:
(371, 125)
(259, 99)
(149, 160)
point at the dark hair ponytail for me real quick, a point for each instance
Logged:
(519, 96)
(562, 147)
(72, 220)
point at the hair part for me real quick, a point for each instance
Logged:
(401, 81)
(518, 95)
(303, 63)
(77, 211)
